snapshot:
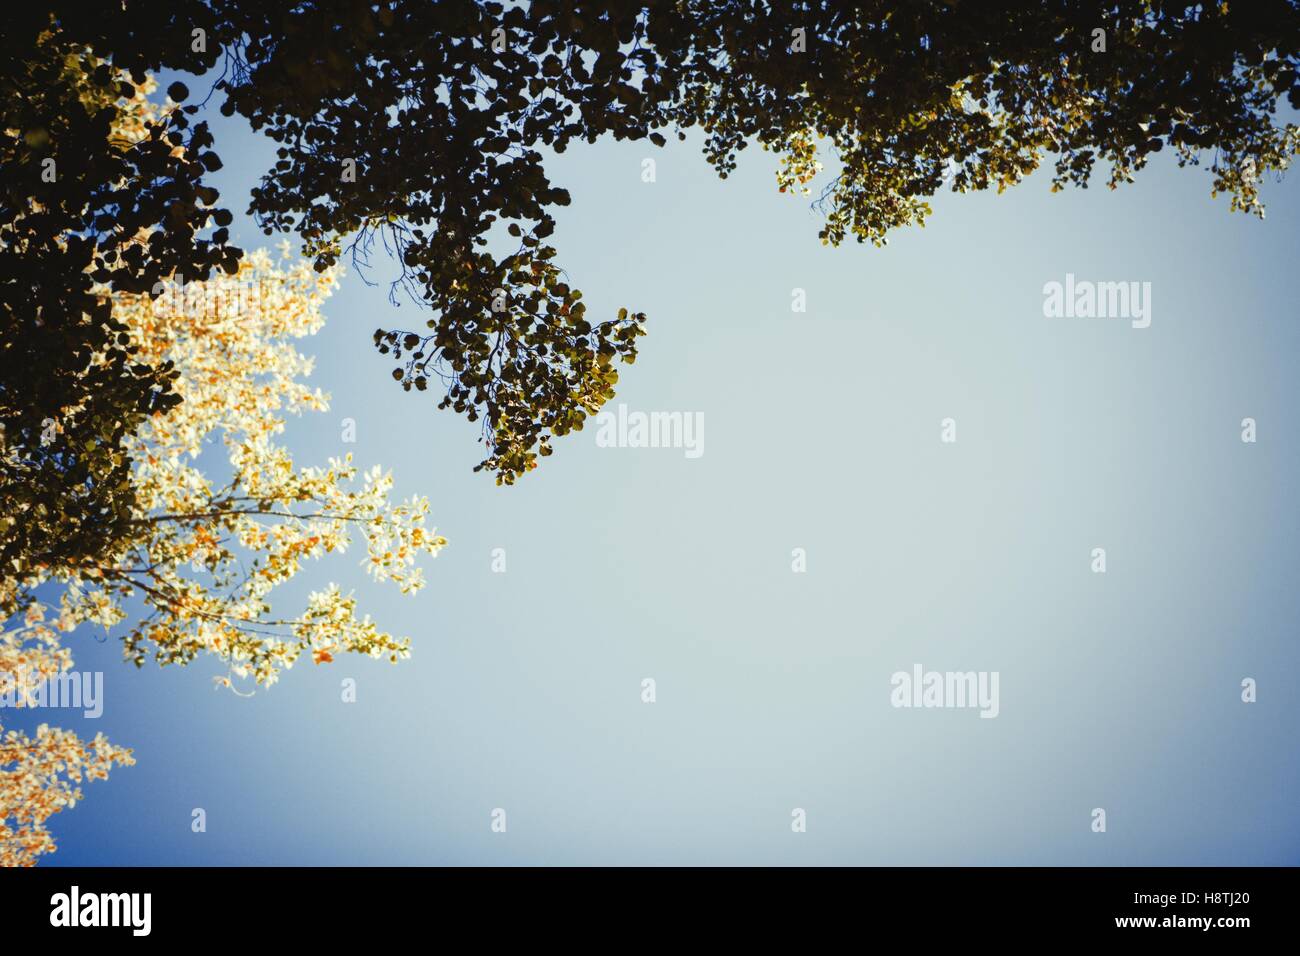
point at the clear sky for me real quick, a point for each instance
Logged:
(1119, 691)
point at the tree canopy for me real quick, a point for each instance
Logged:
(195, 574)
(96, 195)
(422, 128)
(193, 559)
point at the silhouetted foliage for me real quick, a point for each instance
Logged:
(442, 109)
(75, 196)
